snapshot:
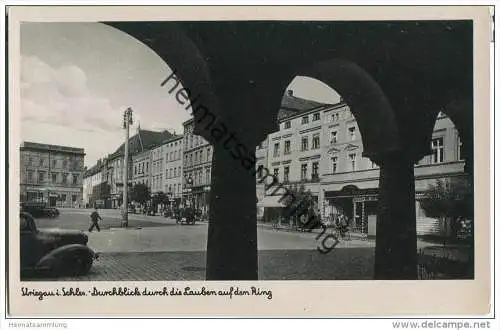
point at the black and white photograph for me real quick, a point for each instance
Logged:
(247, 150)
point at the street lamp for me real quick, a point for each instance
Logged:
(189, 183)
(127, 121)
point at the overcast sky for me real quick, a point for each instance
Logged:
(77, 78)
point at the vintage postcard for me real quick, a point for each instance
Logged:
(249, 161)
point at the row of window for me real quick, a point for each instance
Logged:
(304, 143)
(56, 178)
(334, 117)
(197, 157)
(143, 181)
(303, 172)
(173, 172)
(191, 141)
(141, 168)
(173, 144)
(304, 168)
(174, 189)
(56, 163)
(437, 146)
(173, 155)
(157, 181)
(157, 153)
(157, 166)
(199, 179)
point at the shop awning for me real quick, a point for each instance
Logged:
(271, 201)
(350, 192)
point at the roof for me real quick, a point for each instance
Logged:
(93, 170)
(143, 140)
(292, 105)
(51, 147)
(173, 138)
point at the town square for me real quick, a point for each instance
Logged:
(317, 175)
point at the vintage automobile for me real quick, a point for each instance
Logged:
(53, 251)
(186, 216)
(39, 209)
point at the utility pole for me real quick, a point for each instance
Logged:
(127, 121)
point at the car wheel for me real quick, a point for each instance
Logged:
(77, 264)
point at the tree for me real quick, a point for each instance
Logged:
(140, 193)
(302, 204)
(447, 200)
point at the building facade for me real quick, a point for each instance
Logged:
(172, 150)
(52, 173)
(321, 148)
(141, 164)
(112, 171)
(157, 166)
(93, 180)
(197, 164)
(141, 143)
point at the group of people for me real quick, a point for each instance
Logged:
(339, 222)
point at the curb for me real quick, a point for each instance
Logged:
(315, 231)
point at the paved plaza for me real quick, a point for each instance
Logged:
(156, 248)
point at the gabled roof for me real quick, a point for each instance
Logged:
(143, 140)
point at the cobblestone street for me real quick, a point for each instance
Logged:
(156, 248)
(341, 264)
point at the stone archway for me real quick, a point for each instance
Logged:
(366, 100)
(189, 77)
(241, 86)
(396, 247)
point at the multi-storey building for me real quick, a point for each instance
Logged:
(93, 180)
(321, 148)
(172, 154)
(112, 171)
(157, 166)
(142, 142)
(281, 148)
(197, 165)
(141, 164)
(52, 173)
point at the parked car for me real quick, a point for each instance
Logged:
(39, 209)
(131, 209)
(186, 216)
(53, 251)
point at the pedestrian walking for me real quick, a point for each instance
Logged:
(95, 217)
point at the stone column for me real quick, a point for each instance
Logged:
(396, 240)
(232, 231)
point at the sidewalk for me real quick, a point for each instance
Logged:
(286, 228)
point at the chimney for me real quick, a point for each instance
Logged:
(290, 92)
